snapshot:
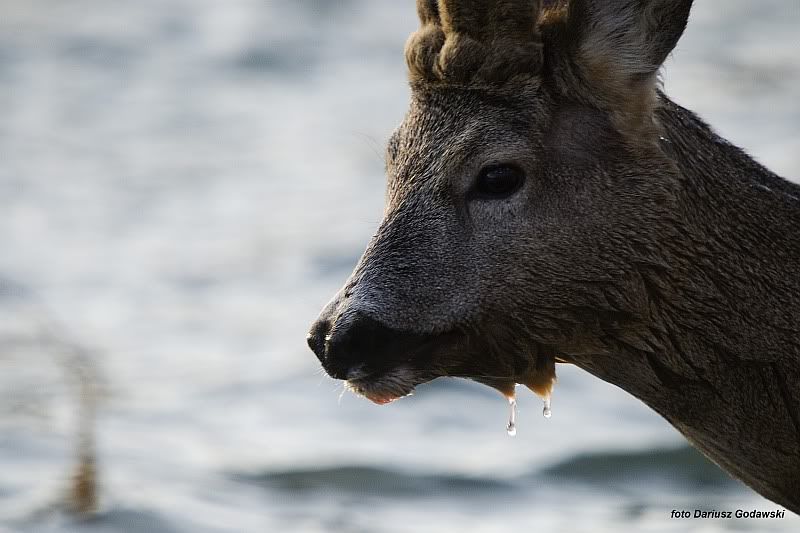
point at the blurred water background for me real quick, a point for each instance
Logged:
(184, 183)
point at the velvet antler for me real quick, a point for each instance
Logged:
(481, 42)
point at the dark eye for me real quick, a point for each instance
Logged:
(498, 181)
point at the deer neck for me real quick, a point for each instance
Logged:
(723, 362)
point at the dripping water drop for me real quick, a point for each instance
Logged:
(511, 429)
(546, 410)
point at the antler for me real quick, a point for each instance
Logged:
(428, 11)
(486, 20)
(475, 41)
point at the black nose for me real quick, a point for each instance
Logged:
(360, 344)
(316, 338)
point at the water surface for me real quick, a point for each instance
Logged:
(185, 183)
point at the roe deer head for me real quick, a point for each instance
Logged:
(547, 203)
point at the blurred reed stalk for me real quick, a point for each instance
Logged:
(83, 493)
(80, 371)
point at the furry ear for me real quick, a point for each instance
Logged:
(632, 38)
(619, 45)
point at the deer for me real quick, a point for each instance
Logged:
(547, 203)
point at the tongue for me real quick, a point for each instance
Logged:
(381, 398)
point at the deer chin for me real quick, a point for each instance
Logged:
(386, 387)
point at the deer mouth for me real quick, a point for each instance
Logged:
(404, 364)
(435, 358)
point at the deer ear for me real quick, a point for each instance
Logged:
(619, 45)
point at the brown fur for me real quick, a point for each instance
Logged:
(640, 246)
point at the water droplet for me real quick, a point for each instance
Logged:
(511, 429)
(546, 410)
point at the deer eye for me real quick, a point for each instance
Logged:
(498, 181)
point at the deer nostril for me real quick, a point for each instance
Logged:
(316, 338)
